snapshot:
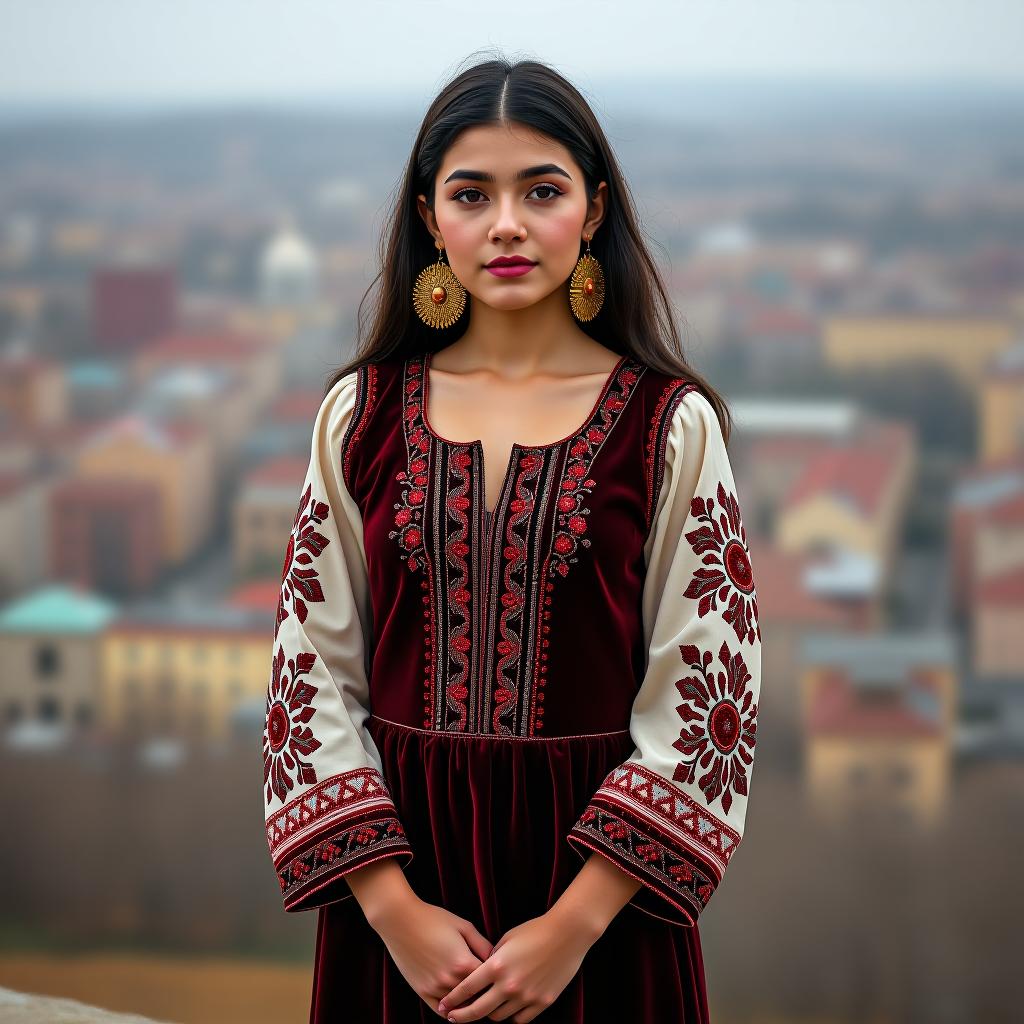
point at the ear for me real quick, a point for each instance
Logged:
(596, 209)
(427, 214)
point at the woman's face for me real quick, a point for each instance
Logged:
(542, 216)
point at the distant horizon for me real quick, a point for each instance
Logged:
(630, 93)
(113, 52)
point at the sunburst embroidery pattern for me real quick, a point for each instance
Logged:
(299, 578)
(287, 737)
(727, 575)
(721, 713)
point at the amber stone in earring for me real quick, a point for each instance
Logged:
(438, 295)
(586, 288)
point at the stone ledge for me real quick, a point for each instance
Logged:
(27, 1008)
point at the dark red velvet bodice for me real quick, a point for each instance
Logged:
(530, 627)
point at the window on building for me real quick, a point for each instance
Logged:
(49, 709)
(47, 660)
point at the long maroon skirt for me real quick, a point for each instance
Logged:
(487, 820)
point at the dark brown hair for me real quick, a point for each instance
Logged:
(636, 317)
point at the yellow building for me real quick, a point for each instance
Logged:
(176, 459)
(851, 497)
(49, 644)
(878, 714)
(182, 673)
(1001, 410)
(264, 513)
(964, 344)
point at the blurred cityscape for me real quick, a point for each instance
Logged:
(174, 292)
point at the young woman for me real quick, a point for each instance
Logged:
(516, 668)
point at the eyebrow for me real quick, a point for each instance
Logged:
(527, 172)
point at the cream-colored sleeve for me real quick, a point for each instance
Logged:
(327, 805)
(672, 814)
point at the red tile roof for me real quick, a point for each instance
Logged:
(839, 709)
(289, 470)
(859, 473)
(215, 346)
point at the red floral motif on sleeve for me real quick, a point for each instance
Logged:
(299, 579)
(727, 577)
(722, 724)
(287, 737)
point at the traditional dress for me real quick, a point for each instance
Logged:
(493, 699)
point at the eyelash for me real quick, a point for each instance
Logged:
(551, 188)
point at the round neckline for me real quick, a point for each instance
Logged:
(425, 417)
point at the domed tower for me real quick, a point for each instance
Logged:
(289, 268)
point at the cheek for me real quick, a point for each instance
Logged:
(560, 233)
(460, 235)
(558, 240)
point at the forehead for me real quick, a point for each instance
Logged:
(503, 149)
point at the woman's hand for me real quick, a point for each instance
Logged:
(433, 948)
(527, 970)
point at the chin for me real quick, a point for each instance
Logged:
(510, 303)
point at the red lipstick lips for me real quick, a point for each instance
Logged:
(510, 266)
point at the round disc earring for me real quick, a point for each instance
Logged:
(586, 288)
(438, 295)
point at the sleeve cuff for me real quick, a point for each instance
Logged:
(343, 824)
(658, 835)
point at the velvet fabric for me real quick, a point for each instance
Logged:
(487, 823)
(480, 699)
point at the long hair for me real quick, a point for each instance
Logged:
(636, 317)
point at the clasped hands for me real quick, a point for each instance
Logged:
(462, 977)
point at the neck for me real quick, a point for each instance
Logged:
(541, 337)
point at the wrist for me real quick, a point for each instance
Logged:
(382, 891)
(393, 909)
(579, 918)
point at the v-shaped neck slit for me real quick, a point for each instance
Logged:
(478, 445)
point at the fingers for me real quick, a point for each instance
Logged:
(467, 988)
(480, 945)
(490, 1002)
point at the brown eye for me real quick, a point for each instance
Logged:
(547, 188)
(463, 192)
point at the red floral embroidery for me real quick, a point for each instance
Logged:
(299, 580)
(571, 523)
(414, 478)
(460, 593)
(723, 714)
(727, 577)
(661, 865)
(287, 737)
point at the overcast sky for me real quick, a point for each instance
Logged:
(217, 50)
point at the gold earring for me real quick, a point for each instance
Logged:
(438, 294)
(586, 289)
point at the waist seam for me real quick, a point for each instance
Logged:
(496, 736)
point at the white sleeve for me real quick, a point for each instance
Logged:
(327, 805)
(672, 814)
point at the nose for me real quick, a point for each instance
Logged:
(507, 223)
